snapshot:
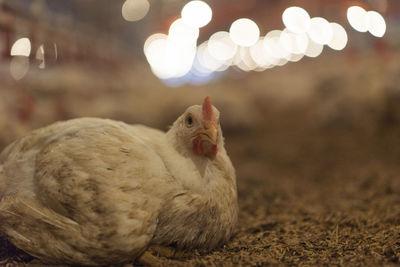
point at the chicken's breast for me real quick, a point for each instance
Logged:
(87, 184)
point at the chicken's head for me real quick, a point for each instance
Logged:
(198, 130)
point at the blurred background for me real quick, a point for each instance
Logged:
(141, 60)
(309, 94)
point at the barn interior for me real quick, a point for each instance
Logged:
(309, 95)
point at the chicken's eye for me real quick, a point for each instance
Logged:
(189, 121)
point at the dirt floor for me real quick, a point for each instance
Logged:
(310, 196)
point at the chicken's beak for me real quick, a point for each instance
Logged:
(205, 140)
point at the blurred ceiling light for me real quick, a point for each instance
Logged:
(282, 62)
(21, 47)
(154, 46)
(260, 69)
(339, 39)
(242, 64)
(174, 82)
(197, 14)
(320, 30)
(179, 58)
(244, 32)
(198, 68)
(40, 57)
(376, 23)
(198, 77)
(134, 10)
(260, 55)
(168, 57)
(273, 47)
(221, 46)
(160, 72)
(270, 59)
(246, 61)
(357, 17)
(156, 57)
(152, 38)
(296, 19)
(168, 60)
(295, 57)
(273, 33)
(208, 61)
(313, 49)
(180, 32)
(19, 67)
(295, 43)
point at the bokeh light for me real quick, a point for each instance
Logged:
(176, 58)
(282, 61)
(320, 31)
(196, 14)
(296, 57)
(259, 55)
(198, 67)
(274, 48)
(244, 60)
(221, 46)
(153, 45)
(199, 75)
(179, 58)
(357, 17)
(376, 23)
(19, 67)
(155, 51)
(171, 56)
(339, 38)
(134, 10)
(244, 32)
(313, 49)
(168, 59)
(296, 19)
(208, 61)
(151, 39)
(295, 43)
(40, 57)
(180, 32)
(21, 47)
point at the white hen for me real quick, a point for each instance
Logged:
(94, 191)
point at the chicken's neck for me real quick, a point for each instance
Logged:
(206, 206)
(204, 200)
(201, 162)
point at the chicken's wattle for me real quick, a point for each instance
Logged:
(204, 147)
(197, 146)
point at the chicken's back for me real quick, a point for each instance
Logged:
(88, 136)
(98, 174)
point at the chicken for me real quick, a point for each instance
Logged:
(94, 191)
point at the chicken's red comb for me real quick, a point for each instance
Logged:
(207, 110)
